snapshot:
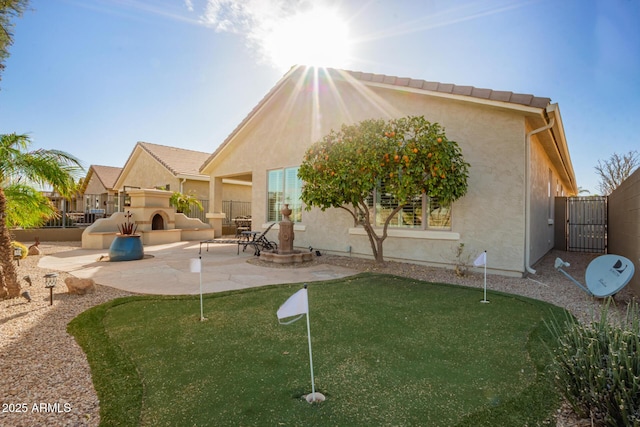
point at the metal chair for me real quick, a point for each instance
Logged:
(259, 242)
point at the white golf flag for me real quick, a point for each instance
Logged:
(481, 260)
(295, 305)
(195, 265)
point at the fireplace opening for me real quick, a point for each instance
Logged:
(157, 223)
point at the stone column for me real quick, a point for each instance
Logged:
(285, 235)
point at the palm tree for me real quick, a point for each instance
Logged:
(20, 203)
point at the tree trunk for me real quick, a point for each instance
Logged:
(375, 241)
(9, 284)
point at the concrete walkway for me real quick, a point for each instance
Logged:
(165, 270)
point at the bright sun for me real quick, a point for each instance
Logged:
(319, 37)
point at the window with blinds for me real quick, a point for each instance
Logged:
(421, 212)
(284, 186)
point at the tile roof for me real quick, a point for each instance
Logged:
(107, 175)
(494, 95)
(176, 160)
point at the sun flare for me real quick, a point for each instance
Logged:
(318, 37)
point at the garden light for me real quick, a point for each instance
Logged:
(50, 280)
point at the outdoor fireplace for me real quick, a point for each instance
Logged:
(157, 222)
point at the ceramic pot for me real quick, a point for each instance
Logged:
(126, 247)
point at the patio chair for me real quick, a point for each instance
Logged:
(259, 242)
(243, 223)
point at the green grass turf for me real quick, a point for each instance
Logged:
(386, 351)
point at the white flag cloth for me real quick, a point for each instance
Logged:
(297, 303)
(481, 260)
(195, 265)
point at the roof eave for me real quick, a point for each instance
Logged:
(193, 177)
(465, 98)
(562, 146)
(248, 119)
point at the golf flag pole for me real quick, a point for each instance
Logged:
(200, 271)
(298, 305)
(313, 383)
(482, 260)
(196, 267)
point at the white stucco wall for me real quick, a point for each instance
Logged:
(490, 217)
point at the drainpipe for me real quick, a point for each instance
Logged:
(527, 189)
(182, 184)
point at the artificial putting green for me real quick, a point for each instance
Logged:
(386, 351)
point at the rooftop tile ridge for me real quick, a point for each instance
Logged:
(453, 89)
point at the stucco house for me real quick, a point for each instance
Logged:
(515, 144)
(98, 191)
(163, 167)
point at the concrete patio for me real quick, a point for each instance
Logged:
(165, 270)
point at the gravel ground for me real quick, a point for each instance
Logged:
(46, 379)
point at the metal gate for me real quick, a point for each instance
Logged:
(582, 224)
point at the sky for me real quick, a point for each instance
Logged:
(93, 77)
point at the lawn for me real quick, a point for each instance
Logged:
(386, 351)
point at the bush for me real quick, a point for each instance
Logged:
(24, 250)
(597, 369)
(182, 202)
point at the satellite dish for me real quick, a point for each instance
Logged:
(605, 275)
(608, 274)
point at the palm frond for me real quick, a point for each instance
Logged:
(27, 207)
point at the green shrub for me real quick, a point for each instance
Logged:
(597, 369)
(183, 202)
(24, 251)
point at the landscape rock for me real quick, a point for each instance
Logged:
(80, 286)
(34, 249)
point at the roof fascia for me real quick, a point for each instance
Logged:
(193, 177)
(249, 119)
(560, 140)
(87, 178)
(127, 167)
(464, 98)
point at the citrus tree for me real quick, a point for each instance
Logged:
(20, 203)
(407, 157)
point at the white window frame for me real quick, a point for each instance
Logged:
(285, 193)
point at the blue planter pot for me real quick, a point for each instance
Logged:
(126, 248)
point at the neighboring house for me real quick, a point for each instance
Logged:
(98, 191)
(162, 167)
(515, 144)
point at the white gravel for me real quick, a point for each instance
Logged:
(45, 377)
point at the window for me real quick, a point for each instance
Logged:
(284, 186)
(421, 212)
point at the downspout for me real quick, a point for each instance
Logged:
(182, 184)
(527, 189)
